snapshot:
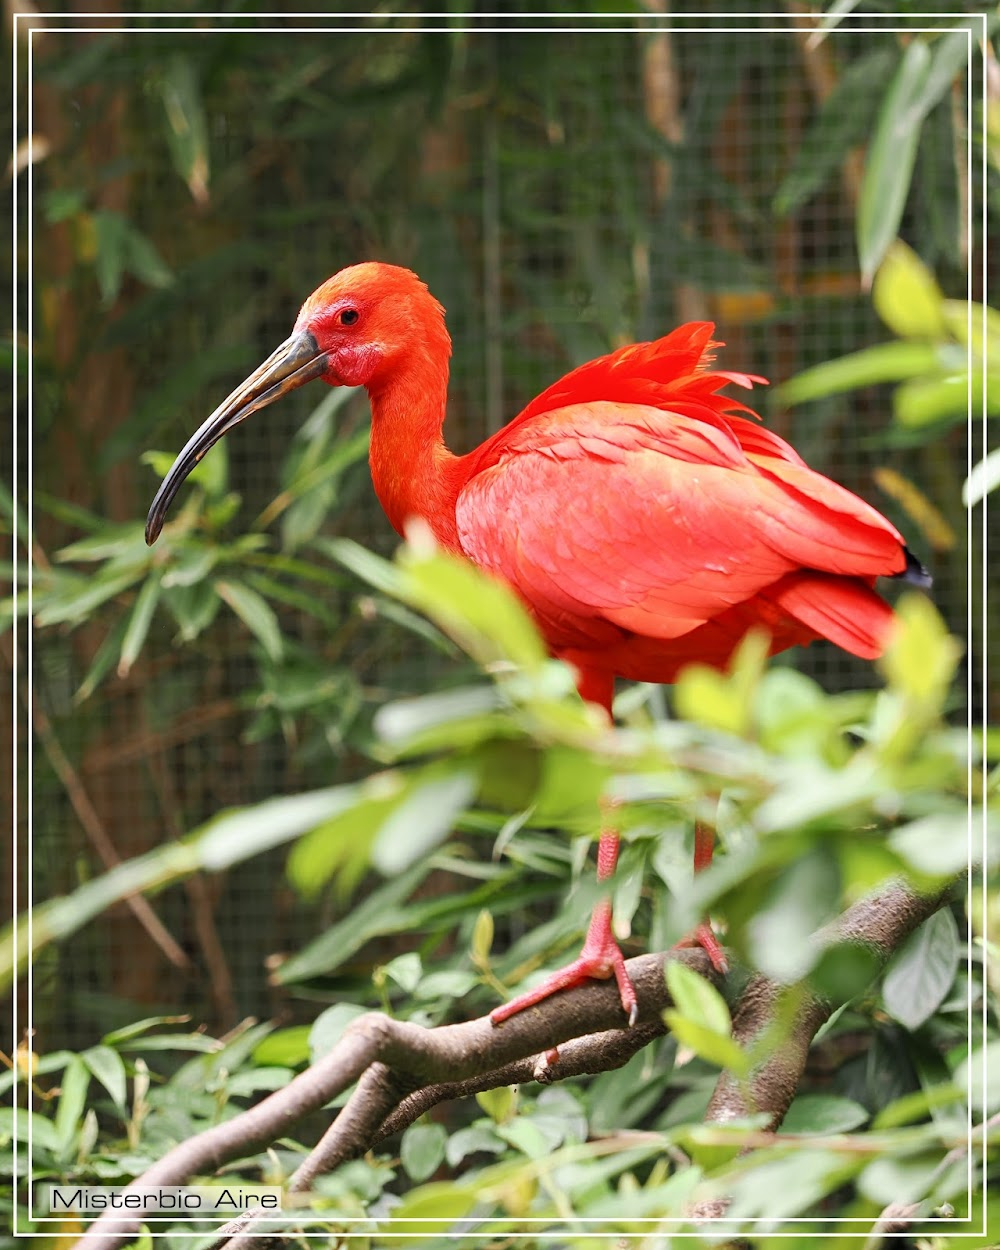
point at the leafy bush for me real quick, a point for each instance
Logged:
(819, 799)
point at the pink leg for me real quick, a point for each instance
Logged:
(704, 848)
(600, 957)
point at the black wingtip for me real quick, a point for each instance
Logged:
(915, 573)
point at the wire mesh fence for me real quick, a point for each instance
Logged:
(562, 192)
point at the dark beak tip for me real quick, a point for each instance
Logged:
(296, 361)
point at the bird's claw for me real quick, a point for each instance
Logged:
(709, 943)
(593, 964)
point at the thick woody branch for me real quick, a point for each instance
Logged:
(402, 1069)
(880, 923)
(392, 1060)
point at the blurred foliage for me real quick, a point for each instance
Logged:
(562, 194)
(945, 362)
(824, 798)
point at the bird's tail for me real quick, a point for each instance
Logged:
(845, 610)
(915, 573)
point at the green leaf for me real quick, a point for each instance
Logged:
(476, 1139)
(42, 1131)
(379, 913)
(483, 616)
(844, 120)
(103, 660)
(187, 130)
(922, 971)
(343, 843)
(453, 984)
(138, 624)
(980, 1074)
(823, 1113)
(422, 1150)
(526, 1136)
(191, 566)
(707, 1044)
(950, 53)
(776, 1188)
(120, 246)
(197, 1042)
(328, 1028)
(921, 658)
(831, 19)
(704, 696)
(144, 260)
(936, 845)
(723, 700)
(921, 79)
(193, 608)
(110, 242)
(914, 1106)
(129, 1031)
(697, 1000)
(930, 400)
(430, 1211)
(406, 970)
(255, 612)
(421, 820)
(482, 938)
(106, 1065)
(234, 836)
(887, 362)
(72, 1100)
(781, 932)
(902, 1180)
(976, 326)
(285, 1047)
(499, 1104)
(109, 543)
(906, 295)
(72, 606)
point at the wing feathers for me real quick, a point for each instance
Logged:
(630, 501)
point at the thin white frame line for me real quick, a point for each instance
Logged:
(15, 719)
(472, 30)
(630, 29)
(78, 29)
(29, 620)
(671, 17)
(969, 653)
(984, 659)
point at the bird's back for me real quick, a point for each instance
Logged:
(647, 521)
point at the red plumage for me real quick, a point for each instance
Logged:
(647, 523)
(643, 519)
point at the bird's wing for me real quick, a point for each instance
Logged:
(657, 521)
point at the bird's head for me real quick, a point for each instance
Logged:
(362, 327)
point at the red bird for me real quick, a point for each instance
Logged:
(643, 520)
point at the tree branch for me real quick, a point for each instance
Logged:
(403, 1069)
(880, 922)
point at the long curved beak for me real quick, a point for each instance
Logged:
(297, 360)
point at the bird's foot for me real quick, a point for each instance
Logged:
(709, 943)
(599, 960)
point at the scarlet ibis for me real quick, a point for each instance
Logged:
(640, 515)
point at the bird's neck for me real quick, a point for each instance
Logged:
(414, 474)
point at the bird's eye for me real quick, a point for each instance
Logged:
(348, 316)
